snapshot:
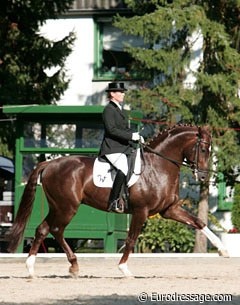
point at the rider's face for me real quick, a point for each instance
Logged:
(118, 96)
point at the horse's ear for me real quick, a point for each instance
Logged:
(205, 128)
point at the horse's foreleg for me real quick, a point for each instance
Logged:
(176, 212)
(41, 233)
(137, 222)
(215, 241)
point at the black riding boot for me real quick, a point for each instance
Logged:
(114, 200)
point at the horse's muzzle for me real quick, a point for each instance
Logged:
(200, 175)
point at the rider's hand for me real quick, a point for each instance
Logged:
(136, 136)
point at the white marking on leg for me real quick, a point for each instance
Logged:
(124, 269)
(215, 241)
(30, 264)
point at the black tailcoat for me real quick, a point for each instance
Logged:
(117, 136)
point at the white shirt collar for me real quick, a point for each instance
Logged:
(118, 104)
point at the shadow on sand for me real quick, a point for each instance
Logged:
(124, 300)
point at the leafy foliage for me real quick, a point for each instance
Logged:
(25, 56)
(166, 236)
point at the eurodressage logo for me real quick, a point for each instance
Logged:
(187, 297)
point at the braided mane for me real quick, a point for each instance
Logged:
(161, 136)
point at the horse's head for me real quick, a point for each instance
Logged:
(198, 155)
(184, 142)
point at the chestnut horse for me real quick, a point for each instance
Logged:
(68, 181)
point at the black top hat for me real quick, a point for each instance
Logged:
(115, 87)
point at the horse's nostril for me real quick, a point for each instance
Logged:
(202, 177)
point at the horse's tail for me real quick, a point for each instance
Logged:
(15, 234)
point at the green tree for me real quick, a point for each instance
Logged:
(170, 29)
(25, 55)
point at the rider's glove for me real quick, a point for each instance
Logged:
(136, 136)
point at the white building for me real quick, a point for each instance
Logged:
(97, 57)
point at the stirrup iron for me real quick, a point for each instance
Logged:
(116, 206)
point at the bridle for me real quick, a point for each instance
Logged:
(193, 165)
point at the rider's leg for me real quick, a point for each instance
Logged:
(120, 162)
(114, 201)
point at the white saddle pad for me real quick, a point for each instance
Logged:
(104, 173)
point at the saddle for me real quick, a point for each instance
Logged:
(104, 172)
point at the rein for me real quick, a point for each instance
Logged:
(192, 166)
(163, 156)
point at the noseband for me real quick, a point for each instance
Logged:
(193, 165)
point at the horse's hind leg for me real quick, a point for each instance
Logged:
(49, 225)
(41, 233)
(72, 258)
(176, 212)
(56, 228)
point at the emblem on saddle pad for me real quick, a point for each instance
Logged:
(104, 173)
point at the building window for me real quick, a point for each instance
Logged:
(111, 61)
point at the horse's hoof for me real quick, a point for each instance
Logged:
(73, 272)
(124, 269)
(73, 275)
(223, 253)
(30, 262)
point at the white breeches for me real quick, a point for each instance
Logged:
(119, 160)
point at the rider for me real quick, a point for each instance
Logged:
(117, 142)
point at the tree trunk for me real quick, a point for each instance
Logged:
(200, 239)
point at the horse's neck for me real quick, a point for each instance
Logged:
(171, 147)
(172, 143)
(168, 146)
